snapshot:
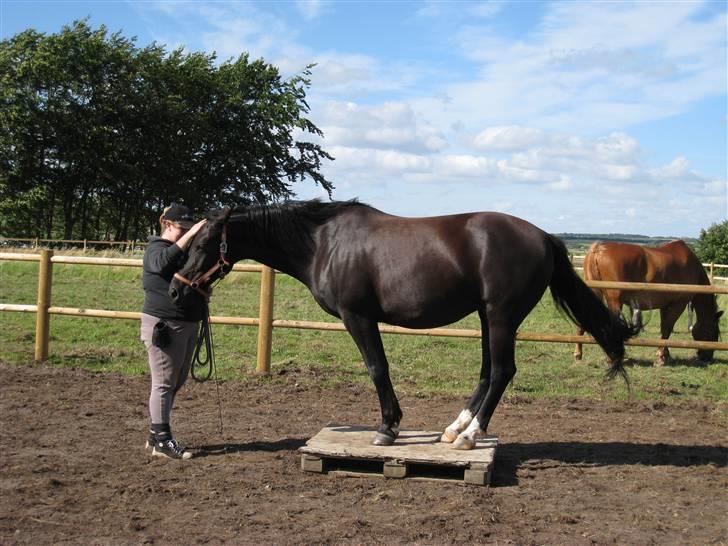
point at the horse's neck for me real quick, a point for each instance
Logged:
(287, 255)
(705, 305)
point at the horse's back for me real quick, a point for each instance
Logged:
(606, 261)
(424, 272)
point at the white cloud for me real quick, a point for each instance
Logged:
(507, 138)
(486, 9)
(310, 9)
(676, 168)
(389, 125)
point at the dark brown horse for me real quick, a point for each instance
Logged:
(364, 267)
(671, 263)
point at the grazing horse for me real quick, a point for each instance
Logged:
(671, 263)
(364, 267)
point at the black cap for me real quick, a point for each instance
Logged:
(180, 215)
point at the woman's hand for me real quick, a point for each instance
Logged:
(197, 227)
(184, 241)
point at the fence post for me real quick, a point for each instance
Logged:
(265, 327)
(42, 317)
(712, 271)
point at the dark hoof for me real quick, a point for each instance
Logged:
(382, 439)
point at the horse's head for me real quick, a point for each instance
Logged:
(707, 328)
(207, 260)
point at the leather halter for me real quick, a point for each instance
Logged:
(199, 282)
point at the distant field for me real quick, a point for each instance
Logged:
(419, 365)
(579, 243)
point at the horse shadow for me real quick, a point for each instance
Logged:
(690, 362)
(285, 444)
(513, 456)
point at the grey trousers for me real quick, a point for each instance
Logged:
(170, 366)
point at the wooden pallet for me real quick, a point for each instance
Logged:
(347, 449)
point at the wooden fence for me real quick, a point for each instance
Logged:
(578, 262)
(35, 243)
(266, 322)
(131, 246)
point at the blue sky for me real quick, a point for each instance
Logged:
(577, 116)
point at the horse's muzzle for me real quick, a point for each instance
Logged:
(705, 356)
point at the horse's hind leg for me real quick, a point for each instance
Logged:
(367, 338)
(636, 317)
(577, 349)
(502, 350)
(466, 416)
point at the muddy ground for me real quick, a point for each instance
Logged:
(73, 470)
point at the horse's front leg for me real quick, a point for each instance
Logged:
(366, 335)
(466, 416)
(668, 318)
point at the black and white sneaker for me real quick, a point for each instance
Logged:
(151, 440)
(170, 449)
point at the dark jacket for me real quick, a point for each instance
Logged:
(162, 260)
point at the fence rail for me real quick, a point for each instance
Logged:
(36, 243)
(266, 322)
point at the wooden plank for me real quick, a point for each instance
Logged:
(347, 449)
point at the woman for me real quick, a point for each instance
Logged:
(168, 331)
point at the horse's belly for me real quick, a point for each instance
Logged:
(653, 300)
(431, 314)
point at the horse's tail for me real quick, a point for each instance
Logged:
(587, 310)
(591, 263)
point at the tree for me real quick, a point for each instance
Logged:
(713, 244)
(97, 134)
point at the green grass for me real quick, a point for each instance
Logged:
(419, 365)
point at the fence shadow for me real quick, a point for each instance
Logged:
(510, 457)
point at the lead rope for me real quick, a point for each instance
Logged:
(205, 337)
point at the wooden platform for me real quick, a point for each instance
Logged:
(347, 449)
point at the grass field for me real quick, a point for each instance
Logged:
(419, 365)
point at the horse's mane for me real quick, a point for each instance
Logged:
(290, 221)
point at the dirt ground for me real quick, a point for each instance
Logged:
(73, 470)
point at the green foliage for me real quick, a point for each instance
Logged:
(97, 134)
(712, 245)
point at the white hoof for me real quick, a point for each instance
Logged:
(464, 443)
(448, 437)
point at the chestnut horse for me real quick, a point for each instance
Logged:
(364, 267)
(671, 263)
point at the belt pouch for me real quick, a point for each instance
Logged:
(160, 335)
